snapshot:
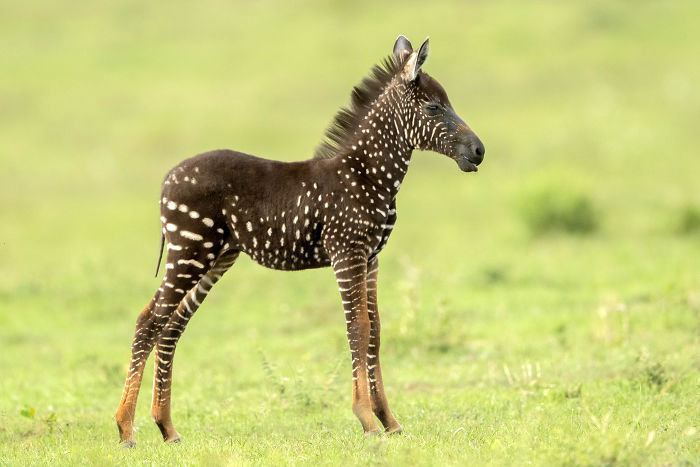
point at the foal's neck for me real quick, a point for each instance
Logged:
(381, 147)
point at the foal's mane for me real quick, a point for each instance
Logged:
(346, 121)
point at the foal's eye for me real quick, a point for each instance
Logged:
(432, 107)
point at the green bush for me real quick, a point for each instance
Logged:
(551, 208)
(689, 219)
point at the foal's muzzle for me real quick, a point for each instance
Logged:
(469, 151)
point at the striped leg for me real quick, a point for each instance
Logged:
(149, 326)
(173, 329)
(380, 406)
(351, 274)
(144, 339)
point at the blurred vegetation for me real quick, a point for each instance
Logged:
(689, 219)
(551, 206)
(500, 344)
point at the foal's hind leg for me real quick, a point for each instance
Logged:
(169, 336)
(144, 339)
(158, 312)
(380, 406)
(148, 327)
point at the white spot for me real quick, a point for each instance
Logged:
(194, 214)
(208, 222)
(191, 235)
(249, 226)
(172, 205)
(171, 227)
(193, 262)
(183, 208)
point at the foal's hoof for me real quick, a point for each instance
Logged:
(372, 434)
(174, 440)
(394, 431)
(128, 444)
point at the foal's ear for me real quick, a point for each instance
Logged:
(415, 62)
(402, 49)
(422, 54)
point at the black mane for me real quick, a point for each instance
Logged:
(347, 119)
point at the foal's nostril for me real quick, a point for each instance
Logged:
(478, 152)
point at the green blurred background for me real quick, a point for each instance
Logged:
(99, 100)
(587, 200)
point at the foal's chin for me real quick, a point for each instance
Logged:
(465, 165)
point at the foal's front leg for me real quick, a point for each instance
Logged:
(380, 406)
(351, 273)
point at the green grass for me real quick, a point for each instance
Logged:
(501, 344)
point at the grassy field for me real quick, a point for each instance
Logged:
(543, 311)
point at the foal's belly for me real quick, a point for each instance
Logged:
(288, 259)
(279, 243)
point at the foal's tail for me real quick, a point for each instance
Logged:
(160, 255)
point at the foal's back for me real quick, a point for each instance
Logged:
(271, 210)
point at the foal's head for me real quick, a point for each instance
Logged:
(440, 128)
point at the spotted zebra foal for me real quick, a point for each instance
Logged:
(337, 209)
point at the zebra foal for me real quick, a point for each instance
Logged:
(337, 209)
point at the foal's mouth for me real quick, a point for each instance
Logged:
(465, 164)
(469, 155)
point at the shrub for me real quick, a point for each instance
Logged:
(689, 220)
(553, 207)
